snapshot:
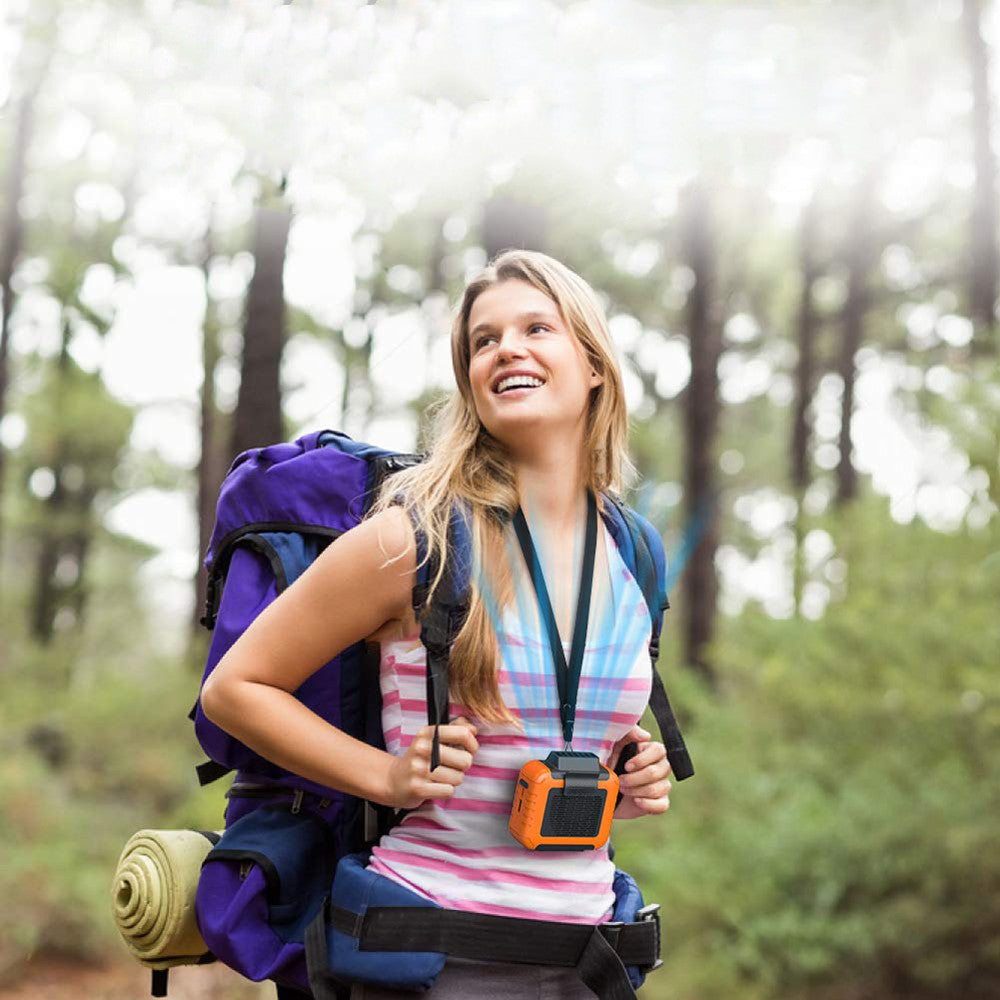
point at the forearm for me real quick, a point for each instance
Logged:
(282, 729)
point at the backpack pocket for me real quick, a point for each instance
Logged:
(259, 888)
(334, 955)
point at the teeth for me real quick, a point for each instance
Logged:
(518, 380)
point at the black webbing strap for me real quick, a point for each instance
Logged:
(599, 953)
(158, 986)
(161, 977)
(602, 970)
(210, 770)
(677, 753)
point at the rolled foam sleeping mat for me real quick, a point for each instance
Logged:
(153, 894)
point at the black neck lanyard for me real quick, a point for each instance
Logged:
(568, 677)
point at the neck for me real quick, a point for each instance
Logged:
(552, 492)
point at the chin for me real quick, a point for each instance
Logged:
(518, 421)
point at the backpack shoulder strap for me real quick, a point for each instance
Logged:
(642, 550)
(442, 619)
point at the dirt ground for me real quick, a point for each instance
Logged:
(52, 978)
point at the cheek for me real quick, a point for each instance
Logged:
(478, 380)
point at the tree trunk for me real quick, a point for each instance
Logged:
(701, 418)
(860, 251)
(804, 379)
(985, 256)
(45, 602)
(43, 605)
(11, 241)
(79, 547)
(210, 472)
(258, 419)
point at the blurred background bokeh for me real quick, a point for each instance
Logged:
(225, 224)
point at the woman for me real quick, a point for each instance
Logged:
(538, 421)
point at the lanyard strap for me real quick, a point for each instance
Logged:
(567, 677)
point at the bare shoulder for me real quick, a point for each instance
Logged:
(394, 533)
(391, 554)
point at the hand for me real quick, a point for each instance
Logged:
(644, 785)
(411, 780)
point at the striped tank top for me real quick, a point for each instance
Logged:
(459, 852)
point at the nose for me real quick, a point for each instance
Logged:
(510, 344)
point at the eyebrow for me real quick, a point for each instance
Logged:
(548, 317)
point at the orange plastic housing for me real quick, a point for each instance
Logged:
(536, 783)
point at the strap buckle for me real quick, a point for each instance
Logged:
(651, 913)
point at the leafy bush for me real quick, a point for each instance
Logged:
(840, 837)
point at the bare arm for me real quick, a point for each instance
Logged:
(346, 595)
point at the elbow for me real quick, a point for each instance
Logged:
(213, 698)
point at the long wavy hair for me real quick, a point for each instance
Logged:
(466, 463)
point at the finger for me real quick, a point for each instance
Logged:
(455, 734)
(443, 774)
(658, 764)
(648, 753)
(436, 790)
(653, 806)
(634, 735)
(456, 757)
(650, 790)
(647, 776)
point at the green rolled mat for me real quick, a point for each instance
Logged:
(153, 892)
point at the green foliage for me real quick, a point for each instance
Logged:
(125, 761)
(840, 837)
(72, 417)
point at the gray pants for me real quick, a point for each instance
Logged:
(466, 979)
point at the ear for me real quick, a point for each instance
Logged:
(596, 379)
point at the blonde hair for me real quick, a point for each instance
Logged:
(466, 463)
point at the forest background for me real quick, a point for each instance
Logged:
(226, 224)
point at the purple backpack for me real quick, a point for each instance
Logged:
(270, 875)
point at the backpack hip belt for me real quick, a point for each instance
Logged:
(599, 952)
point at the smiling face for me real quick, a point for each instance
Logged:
(516, 330)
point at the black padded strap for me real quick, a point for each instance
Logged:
(440, 624)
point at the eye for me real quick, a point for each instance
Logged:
(480, 340)
(537, 326)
